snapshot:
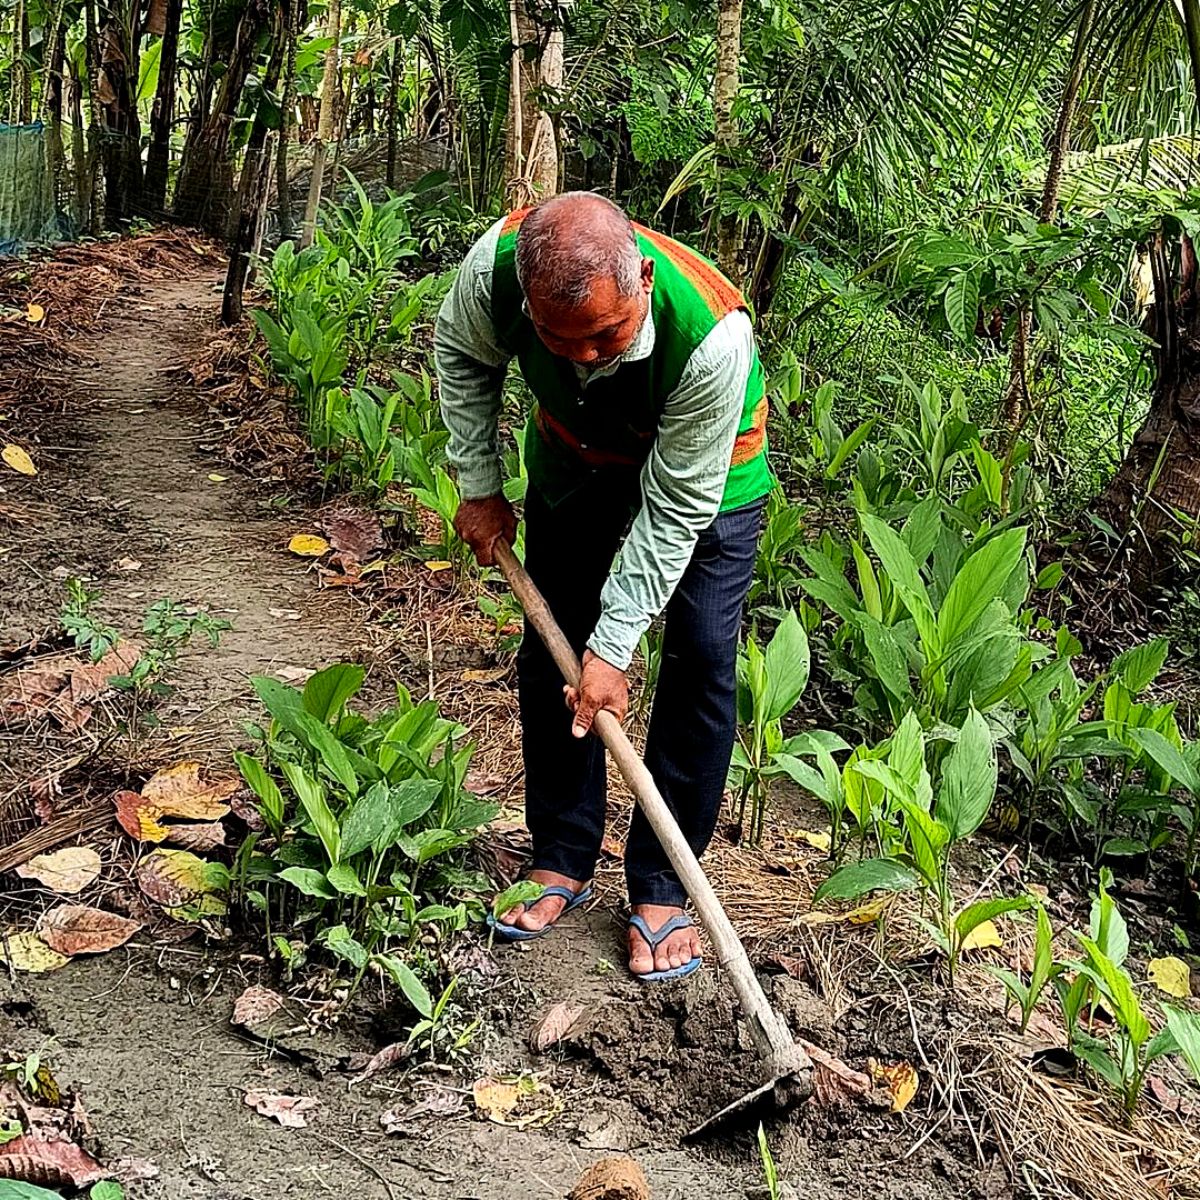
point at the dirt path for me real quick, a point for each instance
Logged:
(126, 498)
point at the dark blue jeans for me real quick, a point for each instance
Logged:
(569, 551)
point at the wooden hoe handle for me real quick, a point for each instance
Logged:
(771, 1037)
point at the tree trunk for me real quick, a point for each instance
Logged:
(79, 156)
(252, 198)
(532, 140)
(1014, 409)
(726, 81)
(329, 85)
(1154, 498)
(96, 205)
(393, 111)
(204, 194)
(283, 189)
(52, 101)
(162, 116)
(22, 80)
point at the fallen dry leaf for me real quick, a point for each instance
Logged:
(488, 675)
(174, 878)
(62, 686)
(49, 1159)
(81, 929)
(27, 952)
(215, 478)
(438, 1102)
(797, 968)
(1170, 975)
(355, 536)
(900, 1079)
(34, 313)
(554, 1025)
(200, 837)
(139, 818)
(287, 1110)
(389, 1056)
(525, 1102)
(438, 564)
(18, 459)
(66, 871)
(834, 1083)
(256, 1005)
(308, 545)
(816, 839)
(868, 914)
(984, 936)
(179, 791)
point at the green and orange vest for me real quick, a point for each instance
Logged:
(611, 424)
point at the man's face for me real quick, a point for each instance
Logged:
(599, 331)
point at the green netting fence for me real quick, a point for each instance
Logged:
(27, 209)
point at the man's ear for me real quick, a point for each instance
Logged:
(647, 275)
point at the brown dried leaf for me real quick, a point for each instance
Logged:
(554, 1025)
(174, 878)
(180, 792)
(797, 968)
(44, 1157)
(197, 837)
(66, 871)
(354, 535)
(139, 817)
(389, 1056)
(243, 807)
(89, 681)
(287, 1110)
(255, 1006)
(834, 1083)
(900, 1079)
(80, 929)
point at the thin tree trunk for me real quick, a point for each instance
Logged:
(393, 112)
(52, 100)
(162, 116)
(95, 132)
(532, 140)
(1014, 410)
(283, 189)
(252, 198)
(726, 81)
(79, 156)
(22, 81)
(329, 83)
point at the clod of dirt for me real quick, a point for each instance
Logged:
(612, 1179)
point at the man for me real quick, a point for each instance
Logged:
(646, 444)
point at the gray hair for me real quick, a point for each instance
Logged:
(568, 242)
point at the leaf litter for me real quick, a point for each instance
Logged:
(289, 1111)
(67, 871)
(72, 929)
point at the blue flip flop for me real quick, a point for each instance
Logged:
(514, 933)
(655, 939)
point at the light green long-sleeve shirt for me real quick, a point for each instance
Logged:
(682, 481)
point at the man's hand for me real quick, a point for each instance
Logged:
(480, 522)
(601, 686)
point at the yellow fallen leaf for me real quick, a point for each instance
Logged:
(1170, 975)
(868, 914)
(818, 840)
(27, 952)
(984, 936)
(179, 791)
(816, 917)
(495, 1099)
(308, 545)
(215, 478)
(34, 313)
(900, 1079)
(487, 675)
(438, 564)
(16, 458)
(525, 1102)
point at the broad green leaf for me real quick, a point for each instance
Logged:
(974, 915)
(15, 1189)
(849, 445)
(368, 818)
(886, 656)
(868, 584)
(1012, 983)
(1139, 667)
(811, 739)
(343, 877)
(901, 568)
(906, 754)
(429, 843)
(979, 581)
(313, 799)
(524, 891)
(405, 978)
(341, 942)
(326, 693)
(786, 664)
(961, 303)
(1168, 757)
(264, 787)
(309, 882)
(807, 777)
(1108, 926)
(968, 779)
(1043, 954)
(872, 874)
(1186, 1028)
(1163, 1042)
(1098, 1058)
(106, 1189)
(1117, 987)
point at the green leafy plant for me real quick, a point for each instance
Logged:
(503, 610)
(1026, 994)
(167, 628)
(365, 822)
(78, 622)
(932, 826)
(770, 1173)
